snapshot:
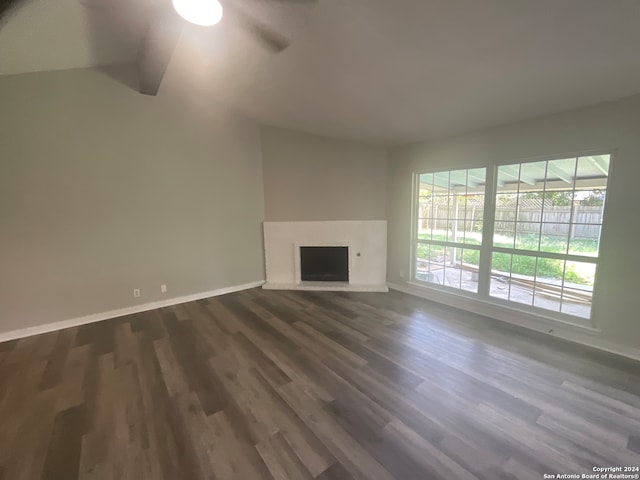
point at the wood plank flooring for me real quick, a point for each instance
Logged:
(302, 385)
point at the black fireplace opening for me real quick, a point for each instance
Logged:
(324, 264)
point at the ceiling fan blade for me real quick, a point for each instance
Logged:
(6, 6)
(96, 5)
(300, 2)
(269, 37)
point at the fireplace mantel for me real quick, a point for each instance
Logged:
(367, 242)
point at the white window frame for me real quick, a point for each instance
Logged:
(446, 244)
(487, 248)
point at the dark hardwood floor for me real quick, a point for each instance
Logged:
(300, 385)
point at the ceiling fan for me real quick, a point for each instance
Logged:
(166, 19)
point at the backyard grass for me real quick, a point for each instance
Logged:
(522, 264)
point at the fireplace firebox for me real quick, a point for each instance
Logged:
(324, 264)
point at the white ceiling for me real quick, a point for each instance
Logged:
(381, 71)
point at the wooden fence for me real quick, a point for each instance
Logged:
(556, 220)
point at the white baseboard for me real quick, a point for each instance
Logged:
(326, 287)
(590, 337)
(120, 312)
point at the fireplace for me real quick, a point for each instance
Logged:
(324, 264)
(361, 251)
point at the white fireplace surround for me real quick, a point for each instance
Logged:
(366, 240)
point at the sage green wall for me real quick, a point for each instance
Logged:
(614, 126)
(103, 190)
(312, 178)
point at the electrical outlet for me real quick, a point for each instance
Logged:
(402, 274)
(163, 288)
(136, 292)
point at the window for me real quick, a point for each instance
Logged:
(546, 234)
(542, 240)
(449, 228)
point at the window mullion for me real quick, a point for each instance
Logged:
(488, 216)
(552, 255)
(415, 208)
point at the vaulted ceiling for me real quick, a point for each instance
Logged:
(380, 71)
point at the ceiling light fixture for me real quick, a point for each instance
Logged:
(200, 12)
